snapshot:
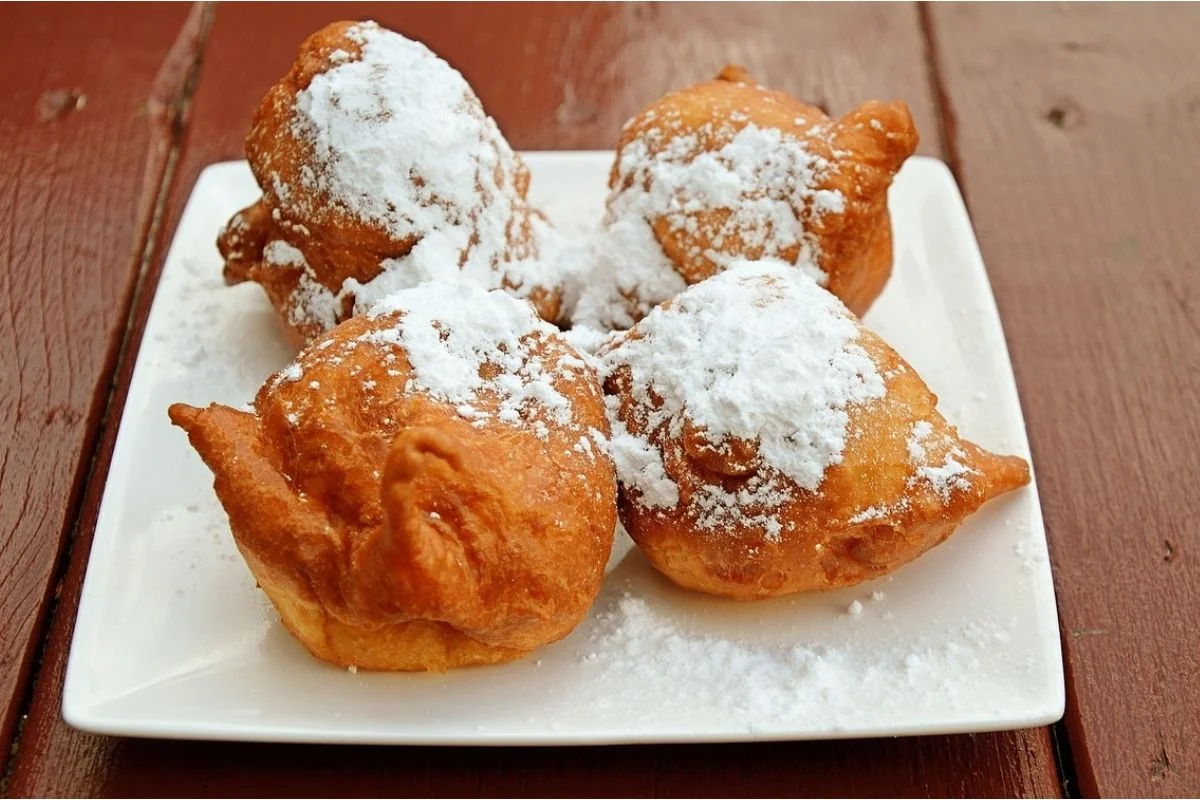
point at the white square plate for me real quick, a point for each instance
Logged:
(173, 639)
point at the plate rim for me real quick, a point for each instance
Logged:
(93, 717)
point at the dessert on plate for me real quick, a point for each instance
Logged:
(767, 443)
(727, 170)
(425, 486)
(379, 171)
(435, 481)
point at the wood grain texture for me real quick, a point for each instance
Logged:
(959, 766)
(559, 77)
(567, 76)
(80, 155)
(1077, 137)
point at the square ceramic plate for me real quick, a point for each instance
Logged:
(173, 639)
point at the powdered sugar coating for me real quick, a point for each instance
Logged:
(754, 506)
(756, 194)
(452, 334)
(399, 140)
(394, 143)
(622, 273)
(945, 478)
(483, 353)
(639, 463)
(762, 686)
(279, 253)
(758, 354)
(765, 179)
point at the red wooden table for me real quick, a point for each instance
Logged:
(1073, 131)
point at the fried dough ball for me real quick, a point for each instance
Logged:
(766, 443)
(424, 488)
(728, 170)
(380, 170)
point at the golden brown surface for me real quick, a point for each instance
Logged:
(336, 245)
(864, 149)
(829, 538)
(390, 532)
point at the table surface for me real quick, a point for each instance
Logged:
(1072, 131)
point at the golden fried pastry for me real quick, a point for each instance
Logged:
(424, 488)
(727, 170)
(766, 443)
(380, 170)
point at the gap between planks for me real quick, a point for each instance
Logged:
(942, 107)
(169, 101)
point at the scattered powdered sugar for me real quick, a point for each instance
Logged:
(1031, 554)
(952, 474)
(916, 448)
(437, 257)
(586, 339)
(292, 372)
(279, 253)
(764, 178)
(855, 609)
(756, 195)
(949, 476)
(310, 302)
(869, 514)
(450, 333)
(584, 445)
(400, 141)
(546, 266)
(463, 342)
(639, 464)
(622, 273)
(751, 506)
(313, 304)
(759, 354)
(761, 686)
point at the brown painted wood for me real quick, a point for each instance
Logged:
(981, 766)
(554, 77)
(81, 162)
(566, 77)
(1076, 129)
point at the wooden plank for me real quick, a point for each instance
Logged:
(83, 156)
(554, 76)
(1076, 134)
(961, 766)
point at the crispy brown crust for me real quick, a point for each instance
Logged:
(336, 245)
(866, 148)
(394, 534)
(820, 548)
